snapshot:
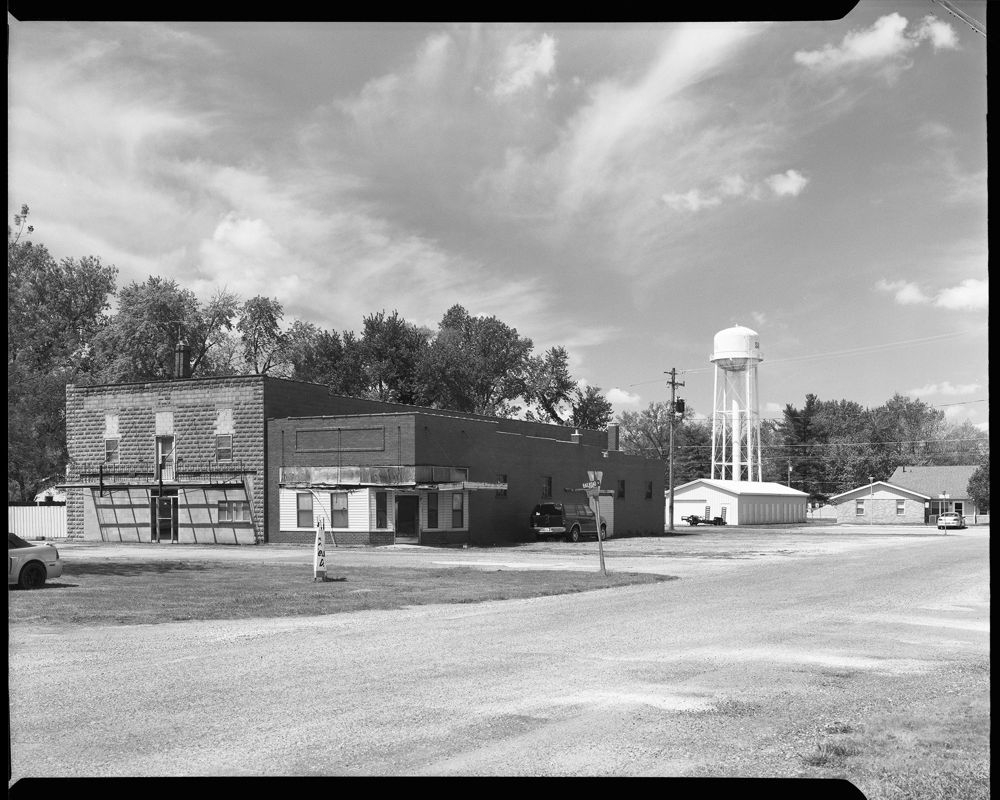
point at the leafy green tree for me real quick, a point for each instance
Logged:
(591, 409)
(259, 326)
(979, 486)
(647, 433)
(475, 364)
(139, 341)
(549, 386)
(314, 354)
(392, 351)
(54, 312)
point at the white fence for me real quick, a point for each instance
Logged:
(37, 522)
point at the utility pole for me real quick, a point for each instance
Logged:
(673, 383)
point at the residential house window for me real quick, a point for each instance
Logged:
(501, 478)
(432, 510)
(621, 488)
(224, 447)
(381, 514)
(304, 510)
(859, 508)
(112, 453)
(649, 490)
(457, 510)
(547, 486)
(959, 507)
(338, 510)
(900, 508)
(234, 511)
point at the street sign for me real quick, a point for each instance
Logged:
(319, 555)
(594, 477)
(592, 485)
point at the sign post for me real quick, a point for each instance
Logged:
(319, 554)
(593, 489)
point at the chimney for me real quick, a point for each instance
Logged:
(182, 360)
(576, 436)
(613, 436)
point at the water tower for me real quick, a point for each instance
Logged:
(736, 419)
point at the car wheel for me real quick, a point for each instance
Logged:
(574, 534)
(604, 532)
(32, 576)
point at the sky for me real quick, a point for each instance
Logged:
(623, 190)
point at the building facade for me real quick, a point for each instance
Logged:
(246, 459)
(880, 503)
(740, 502)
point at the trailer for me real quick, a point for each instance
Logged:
(694, 519)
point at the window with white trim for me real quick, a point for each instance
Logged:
(234, 511)
(224, 447)
(859, 508)
(338, 510)
(457, 510)
(900, 508)
(304, 510)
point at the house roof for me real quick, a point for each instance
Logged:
(933, 481)
(839, 498)
(744, 487)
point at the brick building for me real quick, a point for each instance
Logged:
(246, 459)
(881, 503)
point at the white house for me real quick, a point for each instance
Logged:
(740, 502)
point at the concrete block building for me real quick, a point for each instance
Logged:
(880, 503)
(253, 459)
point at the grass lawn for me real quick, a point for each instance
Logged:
(150, 592)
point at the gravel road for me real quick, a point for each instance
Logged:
(727, 671)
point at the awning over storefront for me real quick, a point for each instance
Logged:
(422, 477)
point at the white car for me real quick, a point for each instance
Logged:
(30, 565)
(950, 520)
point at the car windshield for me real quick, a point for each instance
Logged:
(14, 541)
(549, 508)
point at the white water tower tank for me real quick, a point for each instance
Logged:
(736, 348)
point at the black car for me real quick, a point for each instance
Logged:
(571, 520)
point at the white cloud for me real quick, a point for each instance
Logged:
(733, 185)
(945, 388)
(970, 294)
(787, 184)
(622, 400)
(759, 317)
(905, 293)
(690, 201)
(941, 34)
(886, 41)
(524, 63)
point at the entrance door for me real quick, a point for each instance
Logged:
(163, 518)
(407, 516)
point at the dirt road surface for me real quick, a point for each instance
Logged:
(733, 669)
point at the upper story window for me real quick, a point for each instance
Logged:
(547, 486)
(621, 488)
(224, 447)
(649, 490)
(112, 451)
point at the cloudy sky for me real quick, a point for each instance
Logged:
(624, 190)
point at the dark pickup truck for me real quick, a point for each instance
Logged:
(694, 519)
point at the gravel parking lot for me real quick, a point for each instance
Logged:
(773, 649)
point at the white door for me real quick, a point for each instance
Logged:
(607, 503)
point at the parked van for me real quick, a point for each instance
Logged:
(571, 520)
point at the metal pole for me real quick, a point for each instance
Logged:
(674, 383)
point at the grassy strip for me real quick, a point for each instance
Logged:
(151, 592)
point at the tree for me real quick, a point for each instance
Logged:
(647, 433)
(591, 409)
(54, 312)
(475, 364)
(259, 326)
(314, 354)
(549, 386)
(979, 486)
(139, 341)
(391, 353)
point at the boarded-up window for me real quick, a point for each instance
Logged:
(649, 490)
(338, 509)
(304, 510)
(621, 488)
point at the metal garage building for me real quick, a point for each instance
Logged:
(740, 502)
